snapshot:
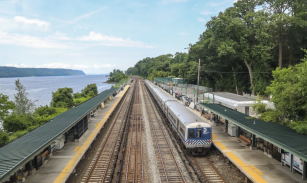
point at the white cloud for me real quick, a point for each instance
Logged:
(35, 22)
(201, 20)
(205, 12)
(113, 41)
(29, 41)
(88, 14)
(59, 36)
(184, 33)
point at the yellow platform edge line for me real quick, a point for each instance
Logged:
(253, 175)
(77, 148)
(63, 176)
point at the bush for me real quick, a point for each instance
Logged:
(4, 137)
(13, 122)
(299, 127)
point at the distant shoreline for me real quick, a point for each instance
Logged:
(10, 72)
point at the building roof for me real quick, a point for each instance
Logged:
(277, 134)
(234, 100)
(23, 149)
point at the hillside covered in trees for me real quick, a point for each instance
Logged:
(29, 72)
(239, 48)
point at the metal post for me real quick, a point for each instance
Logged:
(304, 176)
(213, 98)
(186, 91)
(238, 131)
(198, 80)
(291, 163)
(226, 125)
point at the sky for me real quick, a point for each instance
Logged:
(99, 36)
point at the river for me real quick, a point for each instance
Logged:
(40, 89)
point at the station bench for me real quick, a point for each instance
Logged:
(206, 115)
(244, 140)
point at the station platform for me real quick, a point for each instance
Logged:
(253, 163)
(257, 166)
(63, 162)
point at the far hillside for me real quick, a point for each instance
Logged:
(30, 72)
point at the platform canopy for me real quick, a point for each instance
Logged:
(234, 100)
(20, 151)
(277, 134)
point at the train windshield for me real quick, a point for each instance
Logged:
(199, 133)
(191, 134)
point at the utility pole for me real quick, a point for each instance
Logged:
(198, 81)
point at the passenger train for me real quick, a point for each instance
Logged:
(195, 132)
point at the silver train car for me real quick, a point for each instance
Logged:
(195, 132)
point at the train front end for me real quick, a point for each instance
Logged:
(198, 138)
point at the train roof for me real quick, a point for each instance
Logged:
(186, 116)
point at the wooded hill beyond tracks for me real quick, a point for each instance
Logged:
(239, 48)
(29, 72)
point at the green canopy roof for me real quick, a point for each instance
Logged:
(277, 134)
(23, 149)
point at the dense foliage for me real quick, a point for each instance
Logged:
(89, 88)
(87, 93)
(5, 105)
(239, 48)
(28, 72)
(116, 76)
(288, 90)
(63, 97)
(25, 118)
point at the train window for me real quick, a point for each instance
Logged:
(191, 134)
(198, 133)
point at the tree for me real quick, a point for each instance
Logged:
(4, 137)
(88, 88)
(117, 77)
(22, 103)
(280, 23)
(14, 122)
(62, 98)
(5, 105)
(288, 90)
(241, 32)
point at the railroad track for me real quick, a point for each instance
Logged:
(202, 166)
(208, 170)
(168, 166)
(134, 168)
(100, 169)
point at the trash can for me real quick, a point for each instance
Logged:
(232, 130)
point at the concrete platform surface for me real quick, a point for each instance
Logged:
(59, 167)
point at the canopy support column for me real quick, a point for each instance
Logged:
(304, 173)
(291, 163)
(226, 125)
(253, 145)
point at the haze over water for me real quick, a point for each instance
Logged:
(41, 88)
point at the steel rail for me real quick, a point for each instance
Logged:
(151, 104)
(130, 141)
(103, 147)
